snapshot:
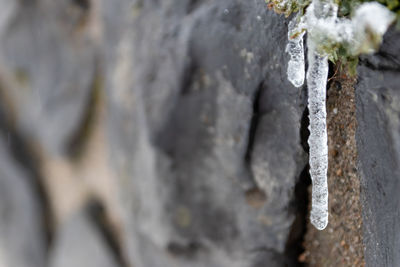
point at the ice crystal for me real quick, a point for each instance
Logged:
(326, 35)
(295, 70)
(317, 74)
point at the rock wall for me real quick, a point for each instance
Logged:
(377, 102)
(165, 133)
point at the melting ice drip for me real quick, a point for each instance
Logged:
(322, 25)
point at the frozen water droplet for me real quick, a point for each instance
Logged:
(295, 70)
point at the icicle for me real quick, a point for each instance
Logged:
(360, 34)
(320, 15)
(295, 70)
(317, 75)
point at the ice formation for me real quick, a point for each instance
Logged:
(295, 70)
(360, 34)
(317, 75)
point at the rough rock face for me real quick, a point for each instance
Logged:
(378, 142)
(79, 243)
(50, 66)
(203, 128)
(203, 115)
(22, 237)
(177, 119)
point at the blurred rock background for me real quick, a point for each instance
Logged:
(157, 133)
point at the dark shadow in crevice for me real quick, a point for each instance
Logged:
(251, 185)
(331, 73)
(255, 120)
(187, 251)
(380, 62)
(304, 131)
(83, 4)
(190, 74)
(192, 5)
(107, 230)
(294, 245)
(75, 144)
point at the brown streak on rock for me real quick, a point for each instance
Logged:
(340, 244)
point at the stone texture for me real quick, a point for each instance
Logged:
(49, 61)
(378, 144)
(203, 129)
(203, 126)
(202, 114)
(79, 243)
(22, 236)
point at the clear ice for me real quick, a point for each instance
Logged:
(317, 75)
(361, 34)
(296, 66)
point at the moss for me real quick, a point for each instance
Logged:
(346, 7)
(22, 77)
(338, 52)
(289, 7)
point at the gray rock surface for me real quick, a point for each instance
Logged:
(79, 243)
(378, 142)
(203, 130)
(22, 237)
(203, 126)
(203, 116)
(49, 63)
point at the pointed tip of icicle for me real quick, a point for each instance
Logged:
(320, 227)
(319, 221)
